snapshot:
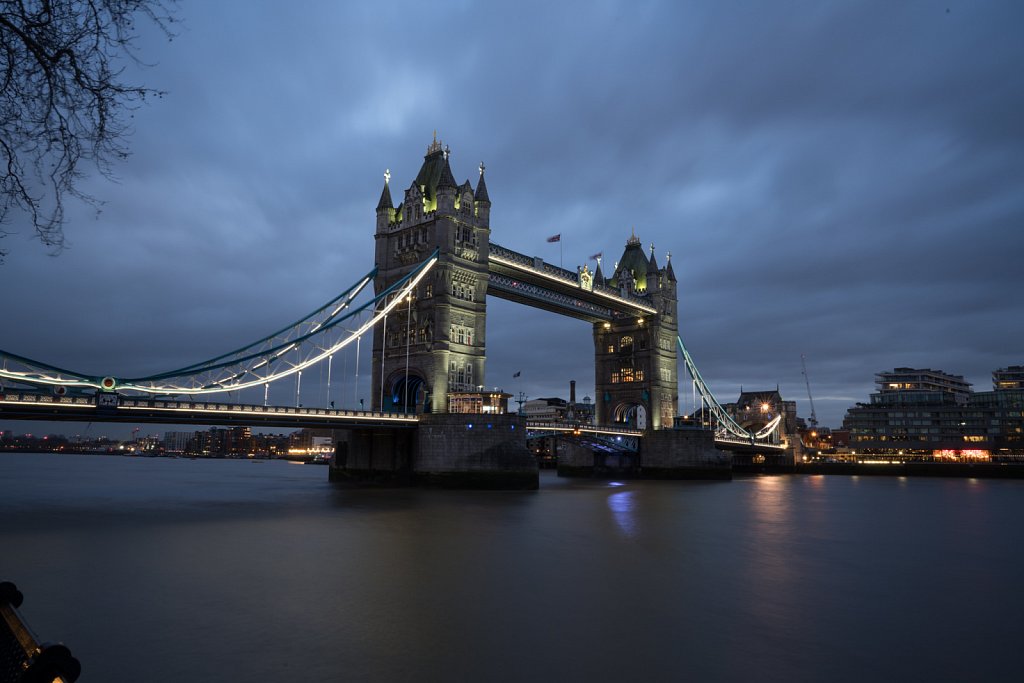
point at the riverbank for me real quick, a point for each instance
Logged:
(905, 469)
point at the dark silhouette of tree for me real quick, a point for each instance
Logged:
(63, 100)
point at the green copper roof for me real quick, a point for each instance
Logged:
(430, 173)
(635, 262)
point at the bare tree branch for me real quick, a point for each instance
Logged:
(63, 101)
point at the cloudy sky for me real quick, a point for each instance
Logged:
(842, 180)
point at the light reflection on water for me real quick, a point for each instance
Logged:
(621, 504)
(178, 570)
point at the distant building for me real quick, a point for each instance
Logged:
(1007, 379)
(546, 410)
(932, 413)
(753, 410)
(177, 443)
(495, 402)
(907, 385)
(552, 410)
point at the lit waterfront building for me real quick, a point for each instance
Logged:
(1004, 407)
(177, 442)
(924, 412)
(1008, 379)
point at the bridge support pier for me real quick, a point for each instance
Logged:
(373, 457)
(664, 454)
(683, 454)
(445, 450)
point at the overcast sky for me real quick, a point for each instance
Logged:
(842, 180)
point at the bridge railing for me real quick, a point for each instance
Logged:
(581, 427)
(161, 405)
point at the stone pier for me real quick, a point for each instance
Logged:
(664, 454)
(476, 451)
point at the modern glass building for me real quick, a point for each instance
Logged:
(930, 413)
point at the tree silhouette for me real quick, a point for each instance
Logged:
(63, 100)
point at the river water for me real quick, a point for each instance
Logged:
(173, 570)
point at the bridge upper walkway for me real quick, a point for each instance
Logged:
(529, 280)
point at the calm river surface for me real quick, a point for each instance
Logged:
(176, 570)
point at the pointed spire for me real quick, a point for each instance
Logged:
(652, 266)
(669, 273)
(598, 275)
(447, 179)
(481, 187)
(385, 196)
(434, 146)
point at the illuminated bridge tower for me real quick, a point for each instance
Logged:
(441, 331)
(635, 357)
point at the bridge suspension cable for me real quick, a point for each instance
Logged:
(726, 428)
(282, 354)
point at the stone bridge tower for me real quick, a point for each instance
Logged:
(442, 330)
(635, 359)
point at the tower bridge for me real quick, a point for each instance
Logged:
(435, 267)
(437, 345)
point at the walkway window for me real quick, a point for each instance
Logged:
(626, 343)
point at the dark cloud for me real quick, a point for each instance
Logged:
(838, 180)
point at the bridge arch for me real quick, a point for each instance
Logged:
(632, 414)
(406, 396)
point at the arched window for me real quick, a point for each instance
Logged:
(626, 343)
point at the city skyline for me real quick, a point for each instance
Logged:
(839, 182)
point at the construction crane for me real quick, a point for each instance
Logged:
(814, 418)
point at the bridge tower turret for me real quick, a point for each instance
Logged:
(636, 376)
(385, 208)
(445, 344)
(483, 200)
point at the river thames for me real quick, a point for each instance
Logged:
(172, 570)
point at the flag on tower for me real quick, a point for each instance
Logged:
(596, 256)
(517, 374)
(555, 238)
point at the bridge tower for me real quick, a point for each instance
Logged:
(635, 362)
(440, 334)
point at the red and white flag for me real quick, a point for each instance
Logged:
(555, 238)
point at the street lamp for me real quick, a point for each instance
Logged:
(383, 351)
(408, 323)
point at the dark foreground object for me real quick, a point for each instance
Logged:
(23, 659)
(909, 469)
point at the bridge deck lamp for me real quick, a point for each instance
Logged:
(408, 323)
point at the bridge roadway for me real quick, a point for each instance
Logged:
(116, 408)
